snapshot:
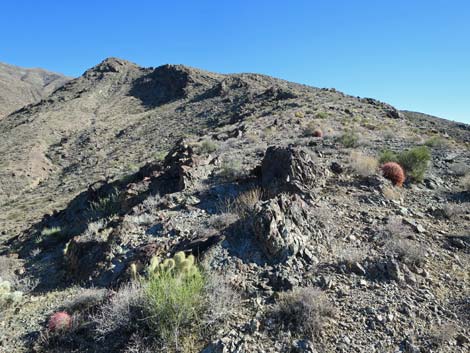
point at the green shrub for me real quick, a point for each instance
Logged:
(231, 169)
(388, 156)
(208, 146)
(174, 301)
(321, 115)
(108, 205)
(349, 139)
(436, 142)
(415, 161)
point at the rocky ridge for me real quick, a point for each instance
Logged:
(259, 200)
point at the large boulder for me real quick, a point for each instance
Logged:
(279, 225)
(291, 169)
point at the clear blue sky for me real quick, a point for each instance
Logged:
(412, 54)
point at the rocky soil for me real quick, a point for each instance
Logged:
(226, 167)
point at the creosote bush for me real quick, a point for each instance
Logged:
(414, 161)
(302, 311)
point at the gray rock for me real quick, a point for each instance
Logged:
(289, 169)
(276, 226)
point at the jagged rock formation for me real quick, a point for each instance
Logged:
(20, 86)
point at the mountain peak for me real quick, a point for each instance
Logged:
(111, 64)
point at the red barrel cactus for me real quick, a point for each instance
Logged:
(317, 133)
(393, 172)
(60, 321)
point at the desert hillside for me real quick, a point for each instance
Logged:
(20, 86)
(177, 210)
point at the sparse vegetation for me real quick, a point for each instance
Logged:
(414, 161)
(465, 182)
(244, 204)
(303, 311)
(436, 142)
(207, 147)
(321, 115)
(231, 169)
(363, 165)
(174, 302)
(108, 205)
(349, 139)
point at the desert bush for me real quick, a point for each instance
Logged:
(391, 193)
(244, 204)
(208, 146)
(363, 165)
(393, 172)
(321, 115)
(397, 243)
(299, 114)
(388, 156)
(436, 142)
(312, 129)
(302, 311)
(108, 205)
(349, 139)
(174, 301)
(231, 169)
(414, 161)
(122, 313)
(221, 302)
(223, 220)
(465, 182)
(8, 296)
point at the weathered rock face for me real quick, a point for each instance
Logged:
(83, 255)
(288, 169)
(178, 163)
(277, 226)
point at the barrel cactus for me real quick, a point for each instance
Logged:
(60, 321)
(393, 172)
(317, 133)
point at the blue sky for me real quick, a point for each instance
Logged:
(412, 54)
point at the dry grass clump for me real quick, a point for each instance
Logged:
(397, 243)
(222, 302)
(303, 311)
(122, 313)
(391, 193)
(231, 169)
(244, 204)
(363, 165)
(465, 182)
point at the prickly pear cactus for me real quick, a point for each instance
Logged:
(180, 264)
(7, 296)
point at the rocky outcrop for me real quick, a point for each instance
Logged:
(278, 226)
(289, 169)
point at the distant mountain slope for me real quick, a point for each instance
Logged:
(21, 86)
(460, 131)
